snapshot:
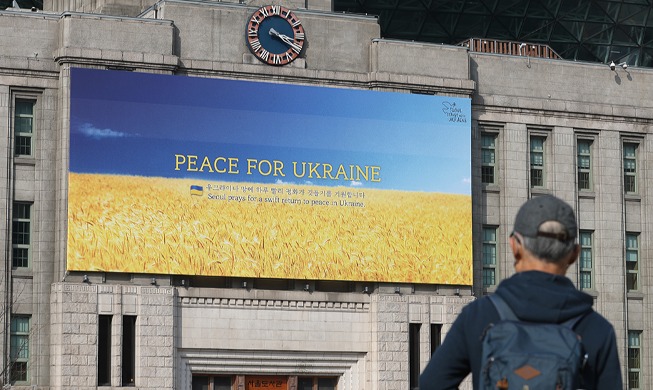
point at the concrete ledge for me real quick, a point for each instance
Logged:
(116, 58)
(211, 296)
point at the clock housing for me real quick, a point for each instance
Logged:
(275, 35)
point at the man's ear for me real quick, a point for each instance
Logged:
(574, 255)
(516, 247)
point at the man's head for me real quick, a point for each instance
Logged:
(546, 228)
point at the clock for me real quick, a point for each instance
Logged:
(275, 35)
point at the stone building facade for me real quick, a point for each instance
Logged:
(537, 117)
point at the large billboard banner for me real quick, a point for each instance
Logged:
(195, 176)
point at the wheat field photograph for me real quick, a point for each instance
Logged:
(155, 225)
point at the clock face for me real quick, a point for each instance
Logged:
(275, 35)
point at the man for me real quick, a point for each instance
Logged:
(543, 245)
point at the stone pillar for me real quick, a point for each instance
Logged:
(75, 309)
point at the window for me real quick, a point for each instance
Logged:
(489, 256)
(632, 262)
(305, 383)
(488, 158)
(630, 168)
(584, 164)
(585, 262)
(104, 351)
(634, 358)
(436, 337)
(202, 382)
(221, 383)
(23, 126)
(19, 349)
(128, 350)
(537, 161)
(413, 352)
(326, 383)
(20, 240)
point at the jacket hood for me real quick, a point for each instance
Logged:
(537, 296)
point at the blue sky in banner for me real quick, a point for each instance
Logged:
(135, 124)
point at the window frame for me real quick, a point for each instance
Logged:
(586, 248)
(634, 372)
(489, 243)
(630, 250)
(582, 170)
(532, 168)
(633, 176)
(494, 136)
(25, 347)
(20, 220)
(16, 116)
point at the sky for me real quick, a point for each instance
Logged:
(140, 124)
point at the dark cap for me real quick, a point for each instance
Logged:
(540, 209)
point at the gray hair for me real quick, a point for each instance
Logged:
(549, 249)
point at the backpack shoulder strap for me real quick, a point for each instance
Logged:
(505, 312)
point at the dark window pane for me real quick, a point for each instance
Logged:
(24, 107)
(631, 282)
(537, 178)
(488, 277)
(629, 183)
(633, 358)
(413, 354)
(326, 383)
(487, 174)
(487, 156)
(222, 383)
(128, 350)
(305, 384)
(200, 383)
(20, 257)
(104, 351)
(633, 380)
(21, 233)
(436, 337)
(23, 125)
(489, 254)
(18, 372)
(584, 180)
(23, 145)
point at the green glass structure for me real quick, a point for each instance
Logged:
(581, 30)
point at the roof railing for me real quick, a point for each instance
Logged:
(511, 48)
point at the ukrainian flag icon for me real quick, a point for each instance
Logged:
(197, 190)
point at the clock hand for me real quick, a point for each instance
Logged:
(283, 37)
(286, 39)
(274, 32)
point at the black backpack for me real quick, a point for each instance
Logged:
(521, 355)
